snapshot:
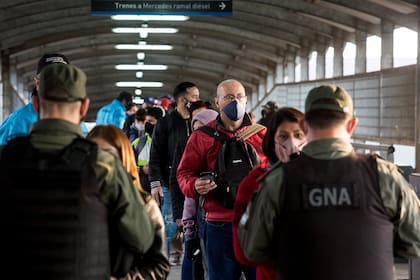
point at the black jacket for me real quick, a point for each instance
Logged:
(177, 195)
(168, 132)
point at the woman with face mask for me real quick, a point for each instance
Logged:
(283, 141)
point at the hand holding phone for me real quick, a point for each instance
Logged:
(207, 175)
(202, 185)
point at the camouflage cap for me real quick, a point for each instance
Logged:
(62, 83)
(329, 97)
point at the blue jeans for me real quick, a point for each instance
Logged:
(170, 225)
(187, 266)
(221, 259)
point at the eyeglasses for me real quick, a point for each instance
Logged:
(231, 97)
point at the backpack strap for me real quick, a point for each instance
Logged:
(249, 131)
(243, 135)
(214, 133)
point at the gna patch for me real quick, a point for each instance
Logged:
(329, 196)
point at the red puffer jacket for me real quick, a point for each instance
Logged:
(200, 155)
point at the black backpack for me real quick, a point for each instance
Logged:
(54, 223)
(235, 160)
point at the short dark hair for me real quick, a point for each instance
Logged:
(140, 114)
(129, 106)
(181, 89)
(199, 104)
(155, 112)
(125, 96)
(283, 114)
(324, 118)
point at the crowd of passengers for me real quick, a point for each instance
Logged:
(197, 183)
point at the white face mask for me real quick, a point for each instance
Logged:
(287, 148)
(139, 126)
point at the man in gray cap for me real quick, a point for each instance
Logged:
(68, 206)
(331, 213)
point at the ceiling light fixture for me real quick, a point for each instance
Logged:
(139, 84)
(141, 67)
(144, 30)
(138, 100)
(143, 47)
(139, 75)
(150, 17)
(137, 92)
(141, 55)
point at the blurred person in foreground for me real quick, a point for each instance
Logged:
(331, 213)
(154, 263)
(76, 205)
(283, 141)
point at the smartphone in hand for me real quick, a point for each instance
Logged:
(207, 175)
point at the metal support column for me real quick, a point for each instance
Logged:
(387, 57)
(417, 100)
(279, 78)
(290, 65)
(320, 62)
(338, 58)
(360, 52)
(6, 86)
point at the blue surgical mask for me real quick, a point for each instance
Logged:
(234, 110)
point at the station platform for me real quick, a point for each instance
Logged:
(401, 271)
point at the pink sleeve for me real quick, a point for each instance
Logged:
(189, 168)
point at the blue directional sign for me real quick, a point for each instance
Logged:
(169, 7)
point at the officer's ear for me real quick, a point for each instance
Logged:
(35, 103)
(351, 125)
(84, 107)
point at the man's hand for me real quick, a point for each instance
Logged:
(157, 194)
(203, 186)
(145, 169)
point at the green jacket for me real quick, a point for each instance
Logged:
(257, 231)
(125, 205)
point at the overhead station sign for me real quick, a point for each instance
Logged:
(169, 7)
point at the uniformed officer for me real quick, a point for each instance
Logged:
(332, 214)
(61, 104)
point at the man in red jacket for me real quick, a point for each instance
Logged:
(199, 156)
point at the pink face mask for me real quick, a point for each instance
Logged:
(287, 148)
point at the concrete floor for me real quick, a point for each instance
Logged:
(401, 269)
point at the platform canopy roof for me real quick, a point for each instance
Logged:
(206, 49)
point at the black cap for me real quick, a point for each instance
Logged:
(49, 58)
(271, 105)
